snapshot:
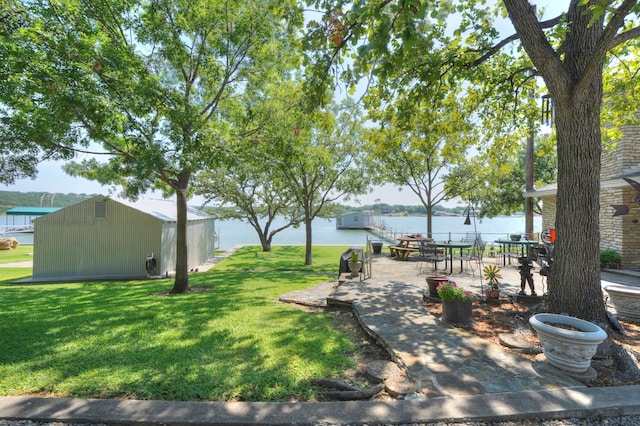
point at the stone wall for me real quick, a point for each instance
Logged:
(621, 233)
(548, 212)
(624, 158)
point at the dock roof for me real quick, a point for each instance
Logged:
(31, 211)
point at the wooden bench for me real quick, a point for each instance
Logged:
(402, 253)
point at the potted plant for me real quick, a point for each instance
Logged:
(568, 343)
(456, 304)
(433, 282)
(354, 263)
(492, 274)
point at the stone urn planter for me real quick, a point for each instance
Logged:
(567, 342)
(354, 267)
(433, 282)
(626, 300)
(457, 312)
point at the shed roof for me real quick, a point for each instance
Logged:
(164, 210)
(31, 211)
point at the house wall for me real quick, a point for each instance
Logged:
(548, 212)
(624, 158)
(74, 243)
(620, 233)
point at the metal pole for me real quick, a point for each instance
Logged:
(528, 180)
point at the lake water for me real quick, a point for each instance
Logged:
(232, 232)
(325, 232)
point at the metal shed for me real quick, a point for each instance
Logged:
(111, 238)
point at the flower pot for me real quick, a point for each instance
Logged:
(626, 300)
(355, 267)
(493, 294)
(433, 282)
(568, 350)
(457, 312)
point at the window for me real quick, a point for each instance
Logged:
(101, 209)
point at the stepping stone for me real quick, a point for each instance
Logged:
(517, 343)
(382, 370)
(399, 385)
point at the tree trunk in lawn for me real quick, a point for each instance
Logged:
(181, 283)
(575, 85)
(264, 242)
(308, 257)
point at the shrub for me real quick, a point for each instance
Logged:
(609, 258)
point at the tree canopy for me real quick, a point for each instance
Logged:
(416, 48)
(151, 84)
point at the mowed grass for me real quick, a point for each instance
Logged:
(22, 253)
(116, 339)
(284, 258)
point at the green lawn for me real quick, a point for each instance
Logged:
(117, 339)
(284, 258)
(18, 254)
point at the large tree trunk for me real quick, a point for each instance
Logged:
(575, 85)
(574, 284)
(181, 283)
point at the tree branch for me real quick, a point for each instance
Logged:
(494, 49)
(624, 37)
(604, 44)
(542, 54)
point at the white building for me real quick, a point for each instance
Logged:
(112, 238)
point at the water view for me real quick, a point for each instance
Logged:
(325, 232)
(232, 232)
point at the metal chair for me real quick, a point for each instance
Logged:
(475, 254)
(429, 254)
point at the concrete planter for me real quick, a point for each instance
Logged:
(355, 267)
(568, 350)
(626, 300)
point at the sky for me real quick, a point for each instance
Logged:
(52, 179)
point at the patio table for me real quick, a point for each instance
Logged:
(448, 249)
(506, 246)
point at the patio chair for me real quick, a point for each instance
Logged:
(429, 255)
(475, 254)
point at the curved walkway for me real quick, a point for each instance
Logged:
(457, 376)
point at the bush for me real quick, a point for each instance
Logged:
(609, 258)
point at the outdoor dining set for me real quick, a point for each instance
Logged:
(469, 250)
